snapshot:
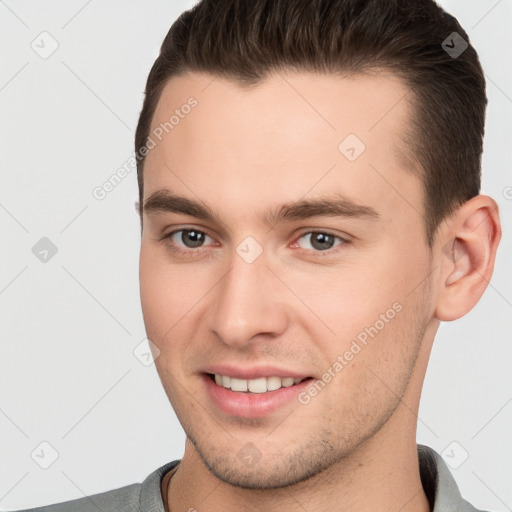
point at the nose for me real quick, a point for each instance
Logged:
(249, 303)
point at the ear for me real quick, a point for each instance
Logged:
(468, 249)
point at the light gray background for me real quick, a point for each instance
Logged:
(69, 326)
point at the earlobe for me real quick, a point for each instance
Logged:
(468, 250)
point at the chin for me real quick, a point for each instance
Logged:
(275, 470)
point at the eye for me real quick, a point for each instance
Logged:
(185, 239)
(320, 241)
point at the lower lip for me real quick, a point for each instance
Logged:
(251, 405)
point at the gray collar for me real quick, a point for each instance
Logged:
(439, 484)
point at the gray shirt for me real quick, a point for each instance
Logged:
(438, 483)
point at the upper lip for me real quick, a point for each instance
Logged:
(253, 372)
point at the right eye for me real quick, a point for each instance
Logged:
(189, 238)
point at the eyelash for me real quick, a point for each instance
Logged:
(196, 252)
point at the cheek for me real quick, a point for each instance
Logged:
(366, 302)
(158, 294)
(172, 296)
(346, 298)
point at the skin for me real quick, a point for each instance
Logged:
(242, 152)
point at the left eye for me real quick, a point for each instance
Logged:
(321, 241)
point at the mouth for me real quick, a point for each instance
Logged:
(253, 398)
(256, 386)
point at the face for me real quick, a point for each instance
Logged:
(275, 250)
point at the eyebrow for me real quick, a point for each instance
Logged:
(163, 200)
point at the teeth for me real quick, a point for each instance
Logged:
(257, 385)
(260, 385)
(273, 383)
(238, 384)
(287, 382)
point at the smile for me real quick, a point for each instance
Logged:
(252, 398)
(260, 385)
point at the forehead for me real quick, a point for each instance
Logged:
(290, 103)
(290, 135)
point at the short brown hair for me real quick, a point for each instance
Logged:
(245, 40)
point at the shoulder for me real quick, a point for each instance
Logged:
(130, 498)
(125, 499)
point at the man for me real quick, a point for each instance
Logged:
(310, 212)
